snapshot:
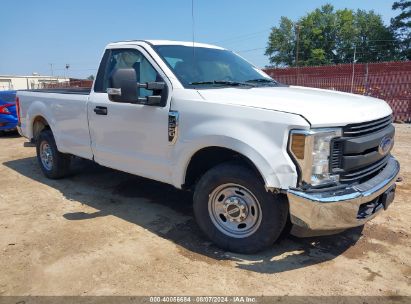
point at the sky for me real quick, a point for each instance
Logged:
(36, 34)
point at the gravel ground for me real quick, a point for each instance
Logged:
(104, 232)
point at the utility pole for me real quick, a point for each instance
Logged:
(353, 70)
(67, 67)
(366, 79)
(51, 69)
(298, 44)
(297, 51)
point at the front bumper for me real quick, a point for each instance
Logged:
(342, 208)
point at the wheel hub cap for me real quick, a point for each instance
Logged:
(234, 210)
(46, 155)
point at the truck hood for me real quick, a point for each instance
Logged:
(319, 107)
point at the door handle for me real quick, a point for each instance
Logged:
(100, 110)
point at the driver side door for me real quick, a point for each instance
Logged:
(130, 137)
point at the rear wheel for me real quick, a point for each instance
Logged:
(53, 163)
(235, 211)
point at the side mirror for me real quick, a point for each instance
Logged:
(123, 86)
(160, 91)
(153, 85)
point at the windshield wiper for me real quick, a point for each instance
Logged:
(262, 80)
(223, 82)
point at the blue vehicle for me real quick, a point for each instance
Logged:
(8, 113)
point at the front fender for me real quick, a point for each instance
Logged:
(264, 146)
(262, 165)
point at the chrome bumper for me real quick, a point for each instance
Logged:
(339, 209)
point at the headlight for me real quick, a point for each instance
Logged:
(311, 150)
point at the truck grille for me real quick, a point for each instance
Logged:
(365, 173)
(364, 162)
(336, 153)
(364, 128)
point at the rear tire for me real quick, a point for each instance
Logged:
(53, 163)
(235, 211)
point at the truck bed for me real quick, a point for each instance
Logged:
(78, 91)
(65, 110)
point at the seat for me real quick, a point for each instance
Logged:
(185, 71)
(136, 67)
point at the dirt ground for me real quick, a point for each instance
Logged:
(103, 232)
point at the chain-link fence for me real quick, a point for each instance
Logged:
(390, 81)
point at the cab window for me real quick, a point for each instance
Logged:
(130, 58)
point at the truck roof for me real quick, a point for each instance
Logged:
(165, 42)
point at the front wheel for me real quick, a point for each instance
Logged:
(235, 211)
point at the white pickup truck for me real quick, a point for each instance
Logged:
(259, 156)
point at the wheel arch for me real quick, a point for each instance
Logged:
(226, 149)
(208, 157)
(38, 117)
(39, 124)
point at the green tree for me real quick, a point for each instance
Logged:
(374, 41)
(345, 36)
(91, 77)
(401, 25)
(281, 43)
(317, 36)
(326, 36)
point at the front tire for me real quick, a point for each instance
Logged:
(235, 211)
(53, 163)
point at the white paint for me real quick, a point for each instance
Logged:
(254, 122)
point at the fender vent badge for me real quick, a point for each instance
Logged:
(173, 118)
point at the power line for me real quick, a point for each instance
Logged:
(242, 36)
(369, 47)
(249, 35)
(91, 69)
(250, 50)
(244, 41)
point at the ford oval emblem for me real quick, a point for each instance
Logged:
(385, 145)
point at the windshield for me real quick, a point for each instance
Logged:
(202, 67)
